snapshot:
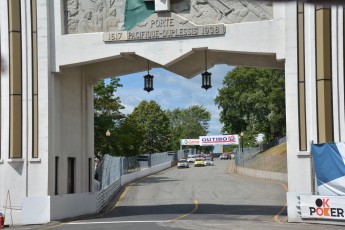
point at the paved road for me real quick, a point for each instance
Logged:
(197, 198)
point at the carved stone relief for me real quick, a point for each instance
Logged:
(203, 12)
(86, 16)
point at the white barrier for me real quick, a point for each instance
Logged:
(273, 176)
(125, 179)
(104, 196)
(40, 210)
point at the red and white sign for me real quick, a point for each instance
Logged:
(219, 140)
(323, 207)
(190, 142)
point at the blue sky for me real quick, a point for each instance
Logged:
(173, 91)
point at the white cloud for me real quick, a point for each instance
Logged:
(173, 91)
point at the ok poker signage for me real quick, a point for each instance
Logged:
(323, 207)
(219, 140)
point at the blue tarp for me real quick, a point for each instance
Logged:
(328, 160)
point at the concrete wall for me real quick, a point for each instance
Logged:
(72, 128)
(272, 176)
(125, 179)
(40, 210)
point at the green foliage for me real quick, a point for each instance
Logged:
(130, 137)
(107, 115)
(153, 123)
(253, 100)
(188, 123)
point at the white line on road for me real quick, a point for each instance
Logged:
(118, 222)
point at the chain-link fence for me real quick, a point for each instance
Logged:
(265, 162)
(255, 159)
(111, 168)
(108, 171)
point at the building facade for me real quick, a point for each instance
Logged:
(54, 51)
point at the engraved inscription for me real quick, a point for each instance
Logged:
(165, 27)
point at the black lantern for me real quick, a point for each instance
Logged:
(206, 80)
(148, 80)
(206, 76)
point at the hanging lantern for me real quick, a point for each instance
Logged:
(206, 80)
(148, 83)
(148, 80)
(206, 76)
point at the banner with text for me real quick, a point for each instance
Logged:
(219, 140)
(322, 207)
(190, 142)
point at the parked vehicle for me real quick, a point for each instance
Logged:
(191, 159)
(182, 163)
(224, 156)
(209, 161)
(199, 162)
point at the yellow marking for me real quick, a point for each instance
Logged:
(196, 205)
(125, 192)
(276, 217)
(121, 197)
(100, 215)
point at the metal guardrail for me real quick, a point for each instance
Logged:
(110, 170)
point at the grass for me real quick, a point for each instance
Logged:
(273, 159)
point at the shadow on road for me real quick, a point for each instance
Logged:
(154, 180)
(180, 209)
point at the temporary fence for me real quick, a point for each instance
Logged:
(254, 159)
(110, 169)
(265, 162)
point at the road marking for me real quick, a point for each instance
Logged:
(276, 217)
(196, 205)
(117, 222)
(125, 192)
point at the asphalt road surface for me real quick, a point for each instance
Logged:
(200, 198)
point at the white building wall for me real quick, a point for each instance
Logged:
(338, 73)
(297, 165)
(65, 92)
(73, 100)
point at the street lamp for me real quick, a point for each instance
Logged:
(206, 76)
(242, 141)
(148, 79)
(108, 134)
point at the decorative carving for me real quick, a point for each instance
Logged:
(204, 12)
(86, 16)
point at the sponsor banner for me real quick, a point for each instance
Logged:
(219, 140)
(190, 142)
(328, 159)
(323, 207)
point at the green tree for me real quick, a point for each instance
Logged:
(107, 115)
(188, 123)
(253, 100)
(129, 137)
(155, 125)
